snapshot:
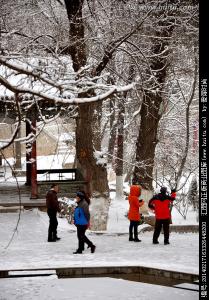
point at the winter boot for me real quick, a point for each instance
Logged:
(77, 252)
(51, 238)
(93, 247)
(131, 238)
(137, 240)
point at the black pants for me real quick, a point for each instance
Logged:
(133, 227)
(159, 223)
(82, 238)
(52, 231)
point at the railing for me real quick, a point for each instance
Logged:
(59, 174)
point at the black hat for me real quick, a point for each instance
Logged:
(163, 190)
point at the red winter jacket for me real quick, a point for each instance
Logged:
(135, 192)
(161, 204)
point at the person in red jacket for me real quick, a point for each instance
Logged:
(161, 204)
(133, 214)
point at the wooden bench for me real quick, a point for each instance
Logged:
(74, 174)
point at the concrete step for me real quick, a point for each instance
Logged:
(176, 228)
(31, 273)
(6, 209)
(188, 286)
(133, 273)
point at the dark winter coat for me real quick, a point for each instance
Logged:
(81, 213)
(52, 203)
(134, 203)
(161, 204)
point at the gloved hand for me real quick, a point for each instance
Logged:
(173, 190)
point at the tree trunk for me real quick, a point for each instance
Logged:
(119, 159)
(34, 184)
(113, 131)
(147, 141)
(93, 172)
(18, 154)
(77, 46)
(150, 109)
(120, 140)
(28, 155)
(88, 137)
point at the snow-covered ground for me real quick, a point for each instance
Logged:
(29, 249)
(88, 289)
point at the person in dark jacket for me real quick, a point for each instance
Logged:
(52, 205)
(161, 204)
(81, 221)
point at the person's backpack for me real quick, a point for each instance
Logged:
(79, 217)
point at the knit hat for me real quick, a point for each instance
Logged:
(80, 195)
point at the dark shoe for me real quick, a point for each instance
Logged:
(93, 247)
(131, 239)
(137, 240)
(77, 252)
(51, 240)
(155, 242)
(57, 238)
(166, 243)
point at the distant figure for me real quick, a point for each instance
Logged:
(81, 221)
(52, 205)
(161, 204)
(134, 214)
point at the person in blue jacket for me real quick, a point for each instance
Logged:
(81, 221)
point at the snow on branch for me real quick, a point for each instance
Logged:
(59, 85)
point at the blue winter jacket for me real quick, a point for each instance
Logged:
(81, 213)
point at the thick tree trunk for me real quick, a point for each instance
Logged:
(147, 141)
(88, 136)
(94, 173)
(150, 109)
(77, 46)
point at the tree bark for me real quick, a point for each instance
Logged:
(113, 131)
(77, 47)
(18, 154)
(88, 136)
(28, 155)
(94, 173)
(150, 109)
